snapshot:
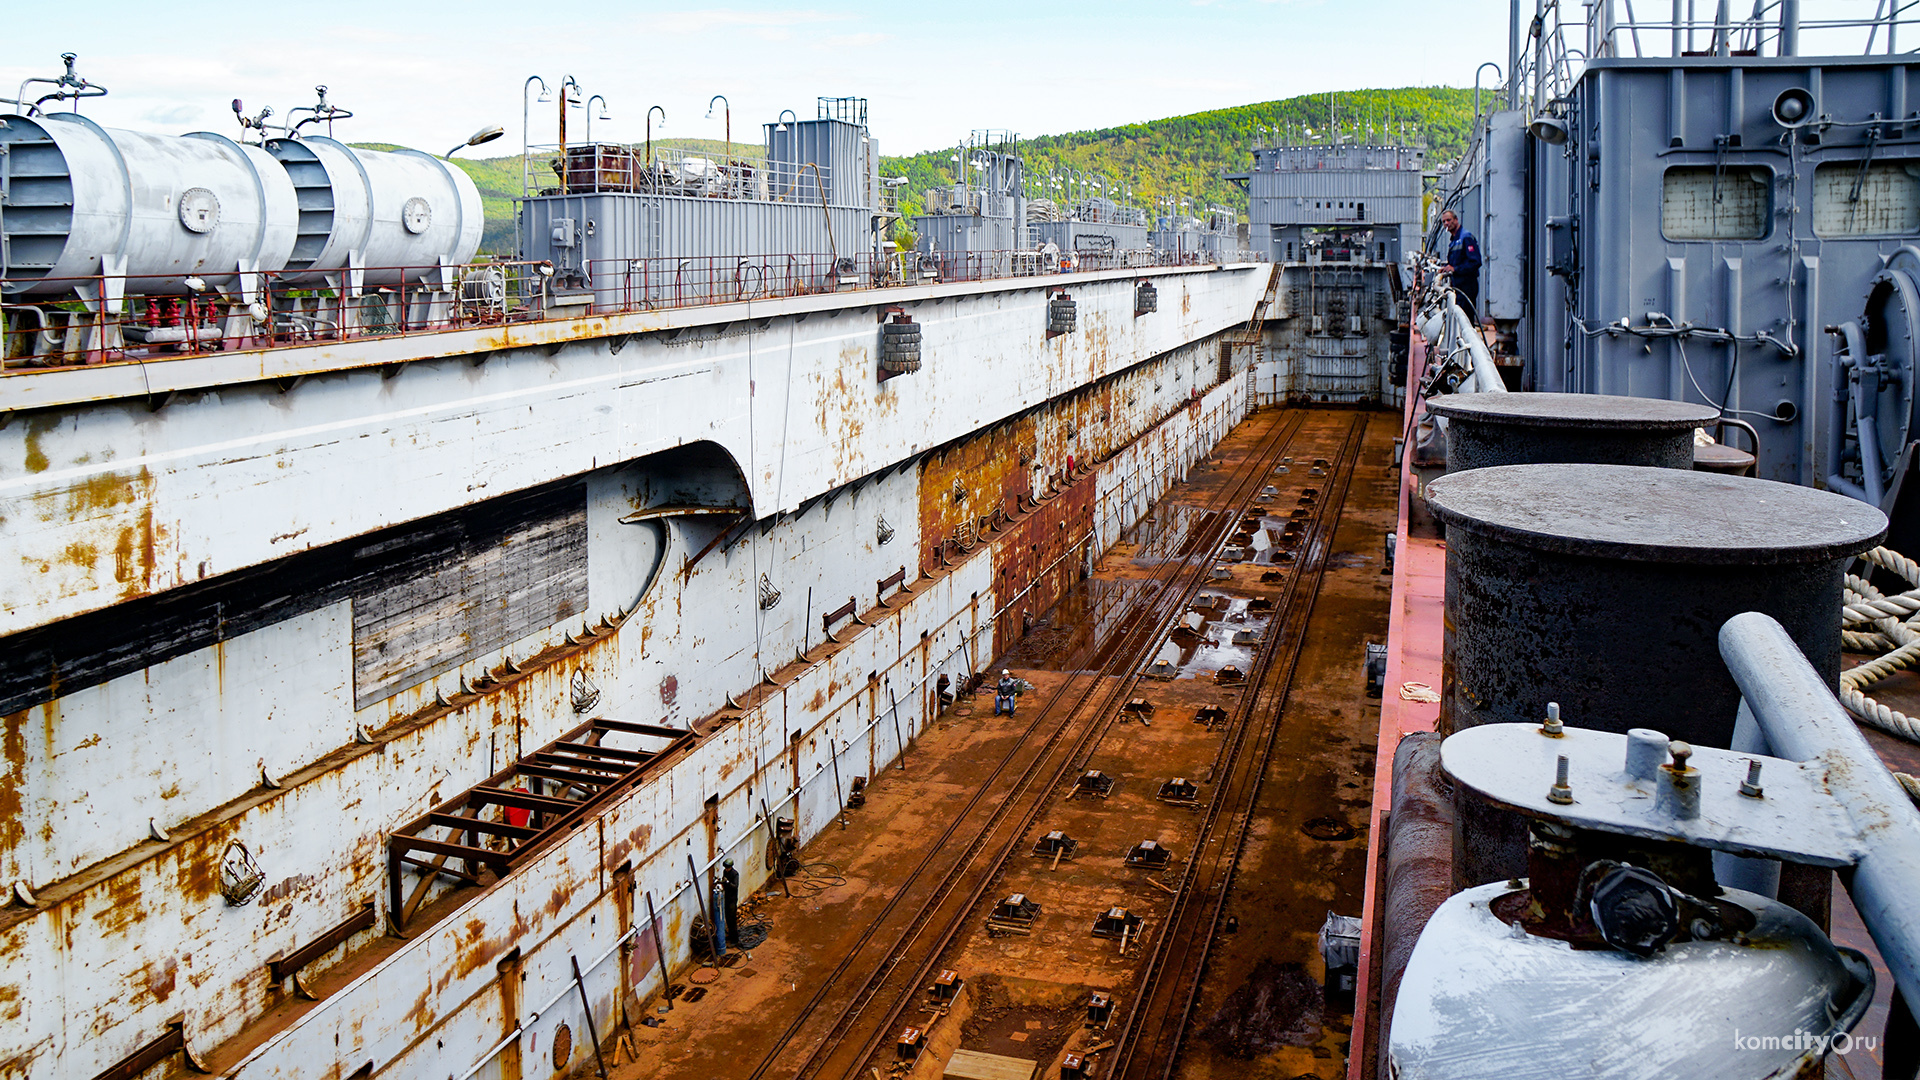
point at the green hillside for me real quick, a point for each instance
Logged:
(1181, 156)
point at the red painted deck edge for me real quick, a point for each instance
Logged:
(1415, 627)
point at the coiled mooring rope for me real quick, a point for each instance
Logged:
(1872, 621)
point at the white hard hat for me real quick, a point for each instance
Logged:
(1005, 671)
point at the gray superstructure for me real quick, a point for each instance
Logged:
(626, 223)
(1096, 229)
(972, 227)
(1682, 209)
(1297, 192)
(1334, 218)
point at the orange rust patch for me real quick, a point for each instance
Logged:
(119, 509)
(161, 978)
(36, 458)
(13, 750)
(968, 480)
(198, 858)
(472, 949)
(124, 905)
(283, 889)
(642, 835)
(1038, 552)
(81, 554)
(844, 404)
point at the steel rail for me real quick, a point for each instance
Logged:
(1145, 599)
(1168, 983)
(1128, 663)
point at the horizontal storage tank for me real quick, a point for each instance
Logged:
(401, 210)
(172, 205)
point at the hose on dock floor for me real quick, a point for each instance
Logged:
(1872, 621)
(815, 878)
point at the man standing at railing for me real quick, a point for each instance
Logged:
(1463, 266)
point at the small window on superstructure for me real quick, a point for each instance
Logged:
(1700, 202)
(1882, 200)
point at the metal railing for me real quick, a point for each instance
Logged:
(105, 319)
(1560, 42)
(618, 168)
(1787, 709)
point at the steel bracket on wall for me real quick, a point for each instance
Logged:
(172, 1041)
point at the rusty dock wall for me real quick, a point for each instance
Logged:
(300, 705)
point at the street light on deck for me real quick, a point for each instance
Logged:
(603, 115)
(546, 95)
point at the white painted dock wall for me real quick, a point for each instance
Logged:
(144, 935)
(133, 932)
(385, 1017)
(113, 500)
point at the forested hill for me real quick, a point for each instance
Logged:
(1181, 156)
(1184, 156)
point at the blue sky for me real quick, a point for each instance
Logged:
(427, 74)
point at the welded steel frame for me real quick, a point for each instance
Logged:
(577, 761)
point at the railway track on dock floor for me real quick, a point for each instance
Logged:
(1129, 668)
(1168, 981)
(841, 1023)
(858, 1044)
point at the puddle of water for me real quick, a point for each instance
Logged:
(1203, 641)
(1090, 612)
(1163, 531)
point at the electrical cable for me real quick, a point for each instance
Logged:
(752, 933)
(816, 878)
(1681, 344)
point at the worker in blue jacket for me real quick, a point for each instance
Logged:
(1463, 266)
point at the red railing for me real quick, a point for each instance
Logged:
(93, 320)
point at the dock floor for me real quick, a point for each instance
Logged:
(1259, 1009)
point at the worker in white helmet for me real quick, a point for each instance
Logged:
(1005, 692)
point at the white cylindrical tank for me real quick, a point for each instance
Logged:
(402, 211)
(174, 206)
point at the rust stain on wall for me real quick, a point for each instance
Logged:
(282, 889)
(160, 978)
(473, 949)
(198, 858)
(13, 776)
(115, 510)
(36, 457)
(1039, 557)
(970, 479)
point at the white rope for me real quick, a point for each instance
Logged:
(1912, 785)
(1871, 621)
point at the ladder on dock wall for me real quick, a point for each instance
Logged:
(516, 813)
(1249, 335)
